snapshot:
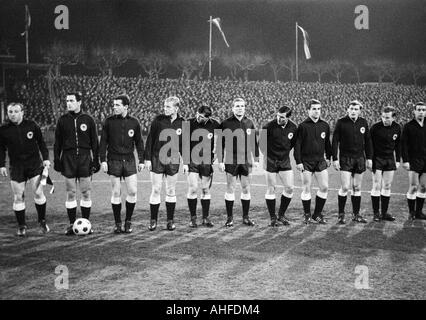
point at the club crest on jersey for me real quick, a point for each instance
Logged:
(362, 130)
(395, 136)
(248, 131)
(209, 136)
(179, 131)
(290, 135)
(83, 127)
(323, 135)
(131, 133)
(30, 135)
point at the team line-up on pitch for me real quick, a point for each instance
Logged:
(196, 143)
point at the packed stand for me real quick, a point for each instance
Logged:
(263, 98)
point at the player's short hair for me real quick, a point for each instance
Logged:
(205, 110)
(286, 110)
(238, 100)
(125, 99)
(173, 101)
(14, 104)
(78, 95)
(311, 103)
(420, 103)
(355, 103)
(387, 109)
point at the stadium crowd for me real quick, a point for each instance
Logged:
(263, 98)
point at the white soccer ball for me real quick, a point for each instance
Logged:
(81, 227)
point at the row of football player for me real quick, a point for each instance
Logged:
(76, 150)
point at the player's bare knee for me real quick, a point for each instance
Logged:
(412, 189)
(192, 192)
(205, 191)
(345, 189)
(422, 189)
(192, 188)
(323, 189)
(245, 189)
(39, 194)
(289, 189)
(132, 191)
(376, 187)
(270, 190)
(71, 195)
(171, 192)
(387, 186)
(230, 189)
(356, 188)
(18, 198)
(115, 193)
(85, 195)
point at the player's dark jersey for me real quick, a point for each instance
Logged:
(352, 138)
(207, 136)
(280, 139)
(313, 141)
(153, 142)
(244, 141)
(120, 136)
(386, 140)
(413, 141)
(24, 142)
(76, 133)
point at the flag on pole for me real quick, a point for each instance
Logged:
(27, 20)
(305, 42)
(216, 21)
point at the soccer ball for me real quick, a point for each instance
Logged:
(81, 226)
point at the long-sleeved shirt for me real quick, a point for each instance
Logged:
(206, 137)
(158, 126)
(243, 145)
(120, 136)
(23, 142)
(413, 141)
(279, 139)
(352, 138)
(313, 141)
(76, 132)
(386, 140)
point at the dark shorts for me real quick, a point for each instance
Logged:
(278, 165)
(384, 164)
(23, 172)
(418, 165)
(122, 168)
(204, 170)
(239, 169)
(353, 165)
(76, 166)
(315, 166)
(161, 168)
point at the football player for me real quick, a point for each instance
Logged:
(200, 169)
(121, 134)
(351, 138)
(165, 134)
(413, 141)
(238, 151)
(76, 156)
(277, 139)
(312, 153)
(386, 137)
(23, 141)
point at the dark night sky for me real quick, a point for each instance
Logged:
(397, 28)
